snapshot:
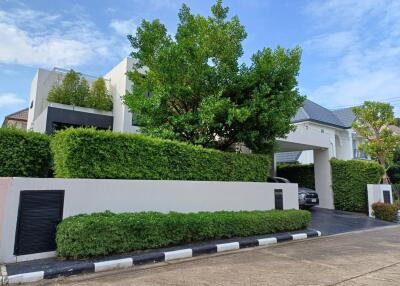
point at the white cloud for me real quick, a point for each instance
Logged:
(32, 38)
(123, 27)
(331, 43)
(10, 99)
(358, 43)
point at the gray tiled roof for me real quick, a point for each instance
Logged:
(287, 157)
(345, 115)
(315, 112)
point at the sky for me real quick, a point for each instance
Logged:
(351, 48)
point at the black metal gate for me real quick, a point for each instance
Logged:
(278, 199)
(39, 213)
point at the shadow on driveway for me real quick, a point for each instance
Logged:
(334, 221)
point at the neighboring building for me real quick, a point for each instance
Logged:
(395, 129)
(335, 123)
(47, 117)
(17, 119)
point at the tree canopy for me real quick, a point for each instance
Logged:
(192, 87)
(373, 121)
(74, 90)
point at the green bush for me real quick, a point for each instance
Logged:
(384, 211)
(106, 233)
(24, 154)
(88, 153)
(349, 183)
(75, 90)
(296, 173)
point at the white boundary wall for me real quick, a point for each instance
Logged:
(88, 195)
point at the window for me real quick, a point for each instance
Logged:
(354, 143)
(134, 120)
(358, 154)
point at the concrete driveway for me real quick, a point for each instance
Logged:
(333, 221)
(367, 258)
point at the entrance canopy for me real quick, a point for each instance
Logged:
(306, 139)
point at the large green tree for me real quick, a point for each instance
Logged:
(372, 122)
(191, 87)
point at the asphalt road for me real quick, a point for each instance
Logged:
(366, 258)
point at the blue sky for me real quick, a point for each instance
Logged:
(351, 48)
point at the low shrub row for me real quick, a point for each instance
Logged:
(106, 233)
(88, 153)
(24, 154)
(385, 211)
(297, 173)
(349, 183)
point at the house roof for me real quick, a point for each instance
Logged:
(21, 115)
(315, 112)
(395, 129)
(345, 115)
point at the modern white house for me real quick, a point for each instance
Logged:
(46, 117)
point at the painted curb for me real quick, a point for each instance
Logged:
(89, 267)
(3, 275)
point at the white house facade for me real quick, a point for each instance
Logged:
(336, 124)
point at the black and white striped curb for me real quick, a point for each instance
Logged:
(88, 267)
(3, 275)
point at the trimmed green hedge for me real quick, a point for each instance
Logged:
(349, 183)
(107, 233)
(89, 153)
(296, 173)
(24, 154)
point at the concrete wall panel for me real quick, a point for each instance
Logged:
(88, 196)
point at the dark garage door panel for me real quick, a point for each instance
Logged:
(38, 215)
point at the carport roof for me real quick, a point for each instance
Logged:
(312, 111)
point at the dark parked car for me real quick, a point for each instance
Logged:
(307, 197)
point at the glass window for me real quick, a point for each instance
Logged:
(134, 120)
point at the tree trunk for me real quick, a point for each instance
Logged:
(385, 178)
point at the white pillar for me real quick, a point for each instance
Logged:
(273, 165)
(323, 178)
